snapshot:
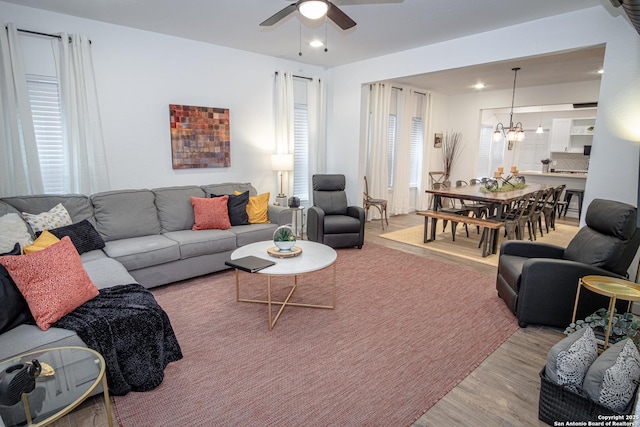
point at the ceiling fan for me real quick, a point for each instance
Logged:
(313, 9)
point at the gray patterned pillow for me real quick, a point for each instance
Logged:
(613, 378)
(568, 361)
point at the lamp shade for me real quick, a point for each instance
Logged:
(282, 162)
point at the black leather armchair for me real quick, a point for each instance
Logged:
(330, 220)
(538, 281)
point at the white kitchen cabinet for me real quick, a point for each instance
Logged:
(571, 135)
(559, 138)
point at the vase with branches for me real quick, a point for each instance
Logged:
(451, 148)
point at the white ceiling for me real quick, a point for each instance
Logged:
(383, 27)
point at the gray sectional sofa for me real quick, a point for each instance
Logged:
(148, 240)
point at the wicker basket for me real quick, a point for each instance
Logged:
(560, 404)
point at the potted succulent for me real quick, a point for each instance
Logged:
(284, 238)
(622, 326)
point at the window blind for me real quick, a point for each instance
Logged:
(301, 152)
(415, 151)
(44, 98)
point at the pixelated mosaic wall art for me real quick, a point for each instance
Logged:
(200, 137)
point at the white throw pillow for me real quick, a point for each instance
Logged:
(568, 361)
(613, 378)
(13, 230)
(55, 218)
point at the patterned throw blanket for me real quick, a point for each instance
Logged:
(132, 332)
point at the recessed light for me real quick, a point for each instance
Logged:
(600, 71)
(316, 43)
(479, 86)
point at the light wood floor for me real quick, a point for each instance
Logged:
(502, 391)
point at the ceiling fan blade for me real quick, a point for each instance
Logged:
(280, 15)
(339, 17)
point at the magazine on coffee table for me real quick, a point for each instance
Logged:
(250, 263)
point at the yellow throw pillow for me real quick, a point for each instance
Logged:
(45, 240)
(257, 208)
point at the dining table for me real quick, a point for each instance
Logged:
(477, 193)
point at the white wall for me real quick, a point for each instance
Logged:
(614, 154)
(140, 73)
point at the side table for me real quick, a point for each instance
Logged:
(77, 373)
(611, 287)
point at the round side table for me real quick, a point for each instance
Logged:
(611, 287)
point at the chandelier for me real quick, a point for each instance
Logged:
(515, 132)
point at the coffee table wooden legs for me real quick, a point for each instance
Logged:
(271, 319)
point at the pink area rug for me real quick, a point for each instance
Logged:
(405, 331)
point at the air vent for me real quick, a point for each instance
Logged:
(632, 8)
(585, 105)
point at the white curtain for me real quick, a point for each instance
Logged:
(399, 203)
(317, 124)
(19, 162)
(85, 152)
(423, 200)
(377, 170)
(283, 111)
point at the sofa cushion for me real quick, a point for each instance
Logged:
(55, 217)
(174, 206)
(14, 341)
(141, 252)
(106, 272)
(569, 360)
(124, 214)
(82, 234)
(13, 230)
(246, 234)
(229, 188)
(211, 214)
(52, 281)
(78, 205)
(43, 241)
(202, 242)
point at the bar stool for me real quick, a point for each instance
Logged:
(568, 194)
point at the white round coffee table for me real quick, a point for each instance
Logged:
(314, 257)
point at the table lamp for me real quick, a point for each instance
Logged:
(281, 163)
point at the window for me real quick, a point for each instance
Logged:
(301, 152)
(490, 153)
(415, 151)
(44, 98)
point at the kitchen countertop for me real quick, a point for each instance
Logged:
(555, 174)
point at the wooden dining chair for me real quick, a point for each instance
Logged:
(380, 204)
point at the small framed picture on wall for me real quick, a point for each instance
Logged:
(437, 140)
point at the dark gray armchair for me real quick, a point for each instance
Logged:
(330, 220)
(538, 281)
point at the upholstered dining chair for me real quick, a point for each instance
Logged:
(331, 220)
(380, 204)
(538, 281)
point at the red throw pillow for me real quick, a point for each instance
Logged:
(210, 214)
(52, 281)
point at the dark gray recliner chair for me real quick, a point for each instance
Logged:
(538, 281)
(330, 220)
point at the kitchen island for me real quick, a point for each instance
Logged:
(575, 181)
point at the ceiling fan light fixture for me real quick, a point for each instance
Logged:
(313, 9)
(316, 43)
